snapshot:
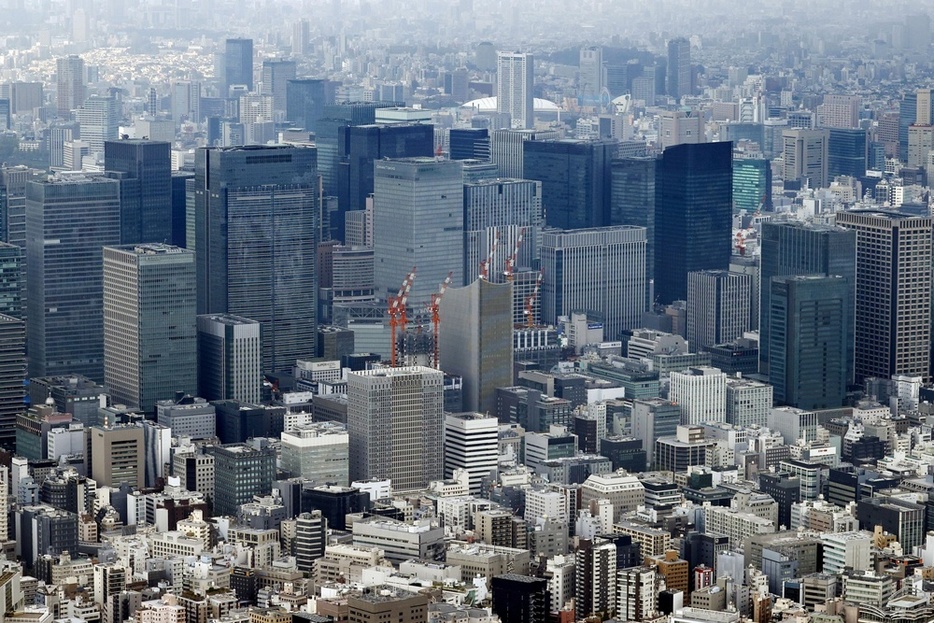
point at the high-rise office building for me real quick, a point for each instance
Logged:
(680, 127)
(507, 149)
(471, 443)
(276, 77)
(592, 76)
(229, 358)
(632, 202)
(693, 215)
(70, 85)
(893, 293)
(809, 346)
(305, 100)
(499, 210)
(520, 598)
(595, 578)
(847, 153)
(394, 418)
(330, 138)
(186, 102)
(145, 188)
(12, 377)
(99, 118)
(316, 452)
(839, 111)
(65, 280)
(368, 143)
(805, 157)
(600, 271)
(679, 68)
(575, 177)
(752, 184)
(915, 108)
(469, 144)
(418, 220)
(240, 472)
(12, 267)
(117, 453)
(301, 38)
(515, 79)
(150, 349)
(717, 307)
(795, 248)
(700, 394)
(238, 64)
(476, 340)
(255, 227)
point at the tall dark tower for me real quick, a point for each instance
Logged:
(255, 230)
(238, 64)
(305, 100)
(679, 68)
(575, 177)
(520, 598)
(145, 189)
(693, 215)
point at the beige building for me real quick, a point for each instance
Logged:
(117, 456)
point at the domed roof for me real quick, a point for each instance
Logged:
(488, 104)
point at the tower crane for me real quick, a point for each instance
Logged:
(397, 313)
(436, 316)
(511, 260)
(530, 302)
(485, 264)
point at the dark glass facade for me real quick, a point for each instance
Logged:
(801, 249)
(305, 102)
(67, 223)
(693, 215)
(255, 231)
(848, 153)
(809, 350)
(575, 177)
(238, 64)
(145, 190)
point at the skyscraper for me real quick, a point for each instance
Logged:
(145, 190)
(717, 307)
(70, 85)
(575, 177)
(12, 265)
(701, 395)
(116, 455)
(301, 41)
(476, 340)
(515, 80)
(805, 156)
(80, 214)
(808, 341)
(839, 111)
(600, 271)
(368, 143)
(229, 358)
(330, 138)
(276, 77)
(503, 208)
(12, 377)
(752, 184)
(592, 76)
(418, 220)
(240, 472)
(238, 64)
(150, 348)
(507, 149)
(847, 152)
(255, 230)
(693, 215)
(632, 202)
(305, 100)
(893, 293)
(394, 418)
(99, 118)
(795, 248)
(186, 102)
(679, 68)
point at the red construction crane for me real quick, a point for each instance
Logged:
(511, 260)
(530, 302)
(436, 316)
(397, 313)
(485, 264)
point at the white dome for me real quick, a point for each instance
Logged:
(488, 104)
